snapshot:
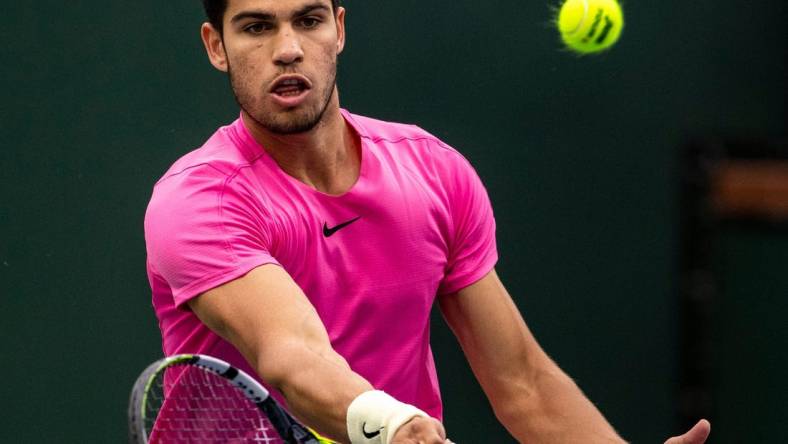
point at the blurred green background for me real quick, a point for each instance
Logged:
(578, 154)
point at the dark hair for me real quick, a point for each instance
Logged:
(215, 9)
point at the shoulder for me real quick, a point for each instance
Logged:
(202, 178)
(221, 160)
(408, 142)
(220, 156)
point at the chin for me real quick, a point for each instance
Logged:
(293, 124)
(291, 121)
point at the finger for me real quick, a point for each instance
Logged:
(421, 430)
(438, 432)
(697, 435)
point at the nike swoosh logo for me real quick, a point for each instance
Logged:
(328, 232)
(370, 435)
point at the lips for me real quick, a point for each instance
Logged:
(290, 90)
(290, 85)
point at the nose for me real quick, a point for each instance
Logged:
(288, 48)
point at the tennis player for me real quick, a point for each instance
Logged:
(307, 245)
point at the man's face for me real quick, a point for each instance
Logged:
(281, 56)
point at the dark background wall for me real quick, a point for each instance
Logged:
(578, 154)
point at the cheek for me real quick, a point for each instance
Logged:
(248, 73)
(328, 61)
(246, 66)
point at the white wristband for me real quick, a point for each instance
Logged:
(374, 417)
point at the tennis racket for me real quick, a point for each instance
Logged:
(200, 399)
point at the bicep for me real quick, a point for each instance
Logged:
(531, 396)
(493, 335)
(265, 315)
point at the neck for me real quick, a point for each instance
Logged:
(327, 157)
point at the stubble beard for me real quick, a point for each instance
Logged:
(287, 122)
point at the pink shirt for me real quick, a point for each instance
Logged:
(420, 224)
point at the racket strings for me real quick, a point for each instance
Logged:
(192, 405)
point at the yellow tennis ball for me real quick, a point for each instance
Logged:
(589, 26)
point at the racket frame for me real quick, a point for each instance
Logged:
(288, 428)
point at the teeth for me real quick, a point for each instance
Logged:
(289, 87)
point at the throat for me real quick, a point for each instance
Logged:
(327, 159)
(333, 178)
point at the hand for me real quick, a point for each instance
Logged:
(696, 435)
(420, 430)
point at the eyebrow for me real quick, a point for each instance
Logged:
(262, 15)
(311, 8)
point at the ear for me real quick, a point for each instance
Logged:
(214, 46)
(340, 19)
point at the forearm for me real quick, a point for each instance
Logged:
(318, 386)
(532, 397)
(277, 330)
(550, 408)
(271, 322)
(340, 404)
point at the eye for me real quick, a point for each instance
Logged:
(257, 28)
(310, 22)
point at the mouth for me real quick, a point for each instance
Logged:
(290, 86)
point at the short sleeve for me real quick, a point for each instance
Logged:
(204, 229)
(472, 245)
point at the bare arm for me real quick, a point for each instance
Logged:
(531, 396)
(267, 317)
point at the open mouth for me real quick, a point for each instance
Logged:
(290, 86)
